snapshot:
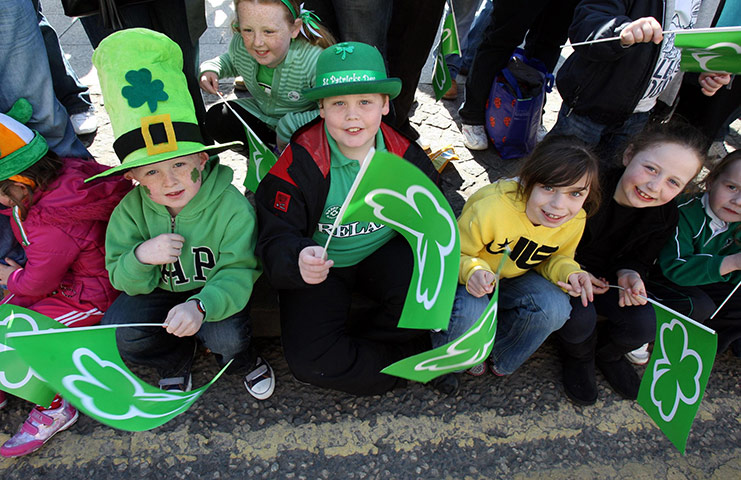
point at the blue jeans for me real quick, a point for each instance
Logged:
(609, 140)
(475, 34)
(154, 347)
(25, 74)
(530, 308)
(73, 94)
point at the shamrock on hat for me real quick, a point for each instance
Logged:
(147, 98)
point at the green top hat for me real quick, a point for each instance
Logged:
(351, 67)
(147, 98)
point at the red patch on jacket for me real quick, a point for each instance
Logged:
(281, 201)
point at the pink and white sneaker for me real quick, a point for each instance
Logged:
(3, 400)
(38, 428)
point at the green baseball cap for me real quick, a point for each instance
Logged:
(351, 67)
(147, 99)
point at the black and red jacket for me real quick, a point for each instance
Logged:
(291, 198)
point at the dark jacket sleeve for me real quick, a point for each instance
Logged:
(596, 19)
(658, 229)
(285, 203)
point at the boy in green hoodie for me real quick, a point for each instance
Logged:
(181, 245)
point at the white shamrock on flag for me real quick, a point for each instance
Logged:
(705, 55)
(29, 373)
(118, 383)
(671, 385)
(467, 351)
(423, 213)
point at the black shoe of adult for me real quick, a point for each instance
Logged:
(621, 376)
(579, 381)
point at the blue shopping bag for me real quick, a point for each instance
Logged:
(515, 106)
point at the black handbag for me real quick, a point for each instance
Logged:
(107, 9)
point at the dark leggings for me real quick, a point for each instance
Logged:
(224, 127)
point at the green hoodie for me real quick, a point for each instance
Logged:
(218, 256)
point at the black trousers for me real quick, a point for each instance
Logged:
(327, 346)
(224, 127)
(546, 23)
(700, 302)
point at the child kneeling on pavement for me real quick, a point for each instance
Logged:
(297, 203)
(181, 245)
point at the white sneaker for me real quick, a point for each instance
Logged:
(84, 123)
(474, 137)
(639, 356)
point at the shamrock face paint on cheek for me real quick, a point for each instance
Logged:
(195, 175)
(146, 190)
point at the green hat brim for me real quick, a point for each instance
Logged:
(24, 157)
(184, 148)
(389, 86)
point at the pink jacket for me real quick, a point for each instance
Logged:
(66, 228)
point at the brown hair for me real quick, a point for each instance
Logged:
(678, 132)
(721, 168)
(43, 172)
(560, 161)
(324, 40)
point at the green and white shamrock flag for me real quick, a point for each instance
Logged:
(676, 375)
(441, 80)
(16, 376)
(469, 350)
(449, 44)
(83, 366)
(261, 159)
(260, 162)
(714, 51)
(396, 193)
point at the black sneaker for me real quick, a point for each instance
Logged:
(260, 382)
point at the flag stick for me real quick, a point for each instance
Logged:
(237, 115)
(694, 30)
(724, 301)
(350, 194)
(81, 329)
(674, 312)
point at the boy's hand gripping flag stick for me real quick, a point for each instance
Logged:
(353, 187)
(694, 30)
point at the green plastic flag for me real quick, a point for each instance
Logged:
(260, 162)
(16, 376)
(261, 158)
(469, 350)
(449, 43)
(395, 193)
(677, 373)
(441, 80)
(718, 51)
(84, 366)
